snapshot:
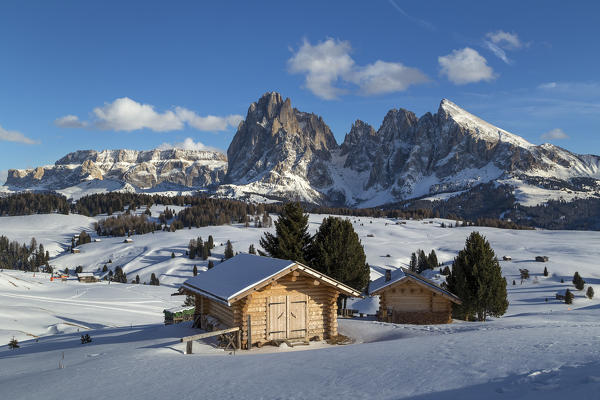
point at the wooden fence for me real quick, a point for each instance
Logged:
(231, 341)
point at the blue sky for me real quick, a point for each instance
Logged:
(115, 74)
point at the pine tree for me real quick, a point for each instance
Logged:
(291, 239)
(211, 264)
(545, 271)
(422, 262)
(211, 242)
(337, 252)
(228, 250)
(477, 280)
(154, 280)
(590, 292)
(578, 281)
(432, 260)
(569, 297)
(137, 279)
(195, 270)
(251, 249)
(13, 344)
(413, 263)
(172, 255)
(205, 252)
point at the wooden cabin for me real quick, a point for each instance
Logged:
(268, 298)
(87, 277)
(409, 298)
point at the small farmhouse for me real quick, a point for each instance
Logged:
(128, 240)
(408, 298)
(87, 277)
(267, 298)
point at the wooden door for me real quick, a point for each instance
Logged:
(277, 317)
(297, 316)
(287, 317)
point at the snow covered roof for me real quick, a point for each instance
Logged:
(85, 274)
(230, 279)
(402, 274)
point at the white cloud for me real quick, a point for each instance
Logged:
(125, 114)
(14, 136)
(208, 123)
(188, 144)
(554, 134)
(465, 66)
(323, 65)
(499, 52)
(70, 121)
(506, 40)
(327, 65)
(3, 176)
(386, 77)
(498, 42)
(548, 85)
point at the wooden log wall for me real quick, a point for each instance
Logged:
(321, 312)
(412, 304)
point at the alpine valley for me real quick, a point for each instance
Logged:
(441, 160)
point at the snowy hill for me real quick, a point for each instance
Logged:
(541, 349)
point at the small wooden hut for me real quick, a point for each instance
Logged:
(87, 277)
(268, 299)
(409, 298)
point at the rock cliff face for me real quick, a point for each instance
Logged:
(142, 169)
(283, 153)
(280, 151)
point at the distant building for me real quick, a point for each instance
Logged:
(541, 258)
(87, 277)
(507, 258)
(128, 240)
(409, 298)
(75, 251)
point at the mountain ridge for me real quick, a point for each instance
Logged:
(281, 152)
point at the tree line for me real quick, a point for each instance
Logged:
(22, 256)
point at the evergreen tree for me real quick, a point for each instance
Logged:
(590, 292)
(105, 268)
(569, 297)
(432, 260)
(172, 255)
(578, 281)
(545, 271)
(189, 301)
(228, 250)
(337, 252)
(291, 239)
(477, 280)
(195, 270)
(13, 344)
(154, 280)
(211, 242)
(192, 249)
(412, 266)
(211, 264)
(251, 249)
(422, 262)
(137, 279)
(205, 252)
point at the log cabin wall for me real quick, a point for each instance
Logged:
(321, 309)
(410, 303)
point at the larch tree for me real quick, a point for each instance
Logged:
(477, 280)
(291, 237)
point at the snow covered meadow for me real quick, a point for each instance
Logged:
(541, 349)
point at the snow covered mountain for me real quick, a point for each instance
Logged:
(125, 168)
(280, 151)
(283, 153)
